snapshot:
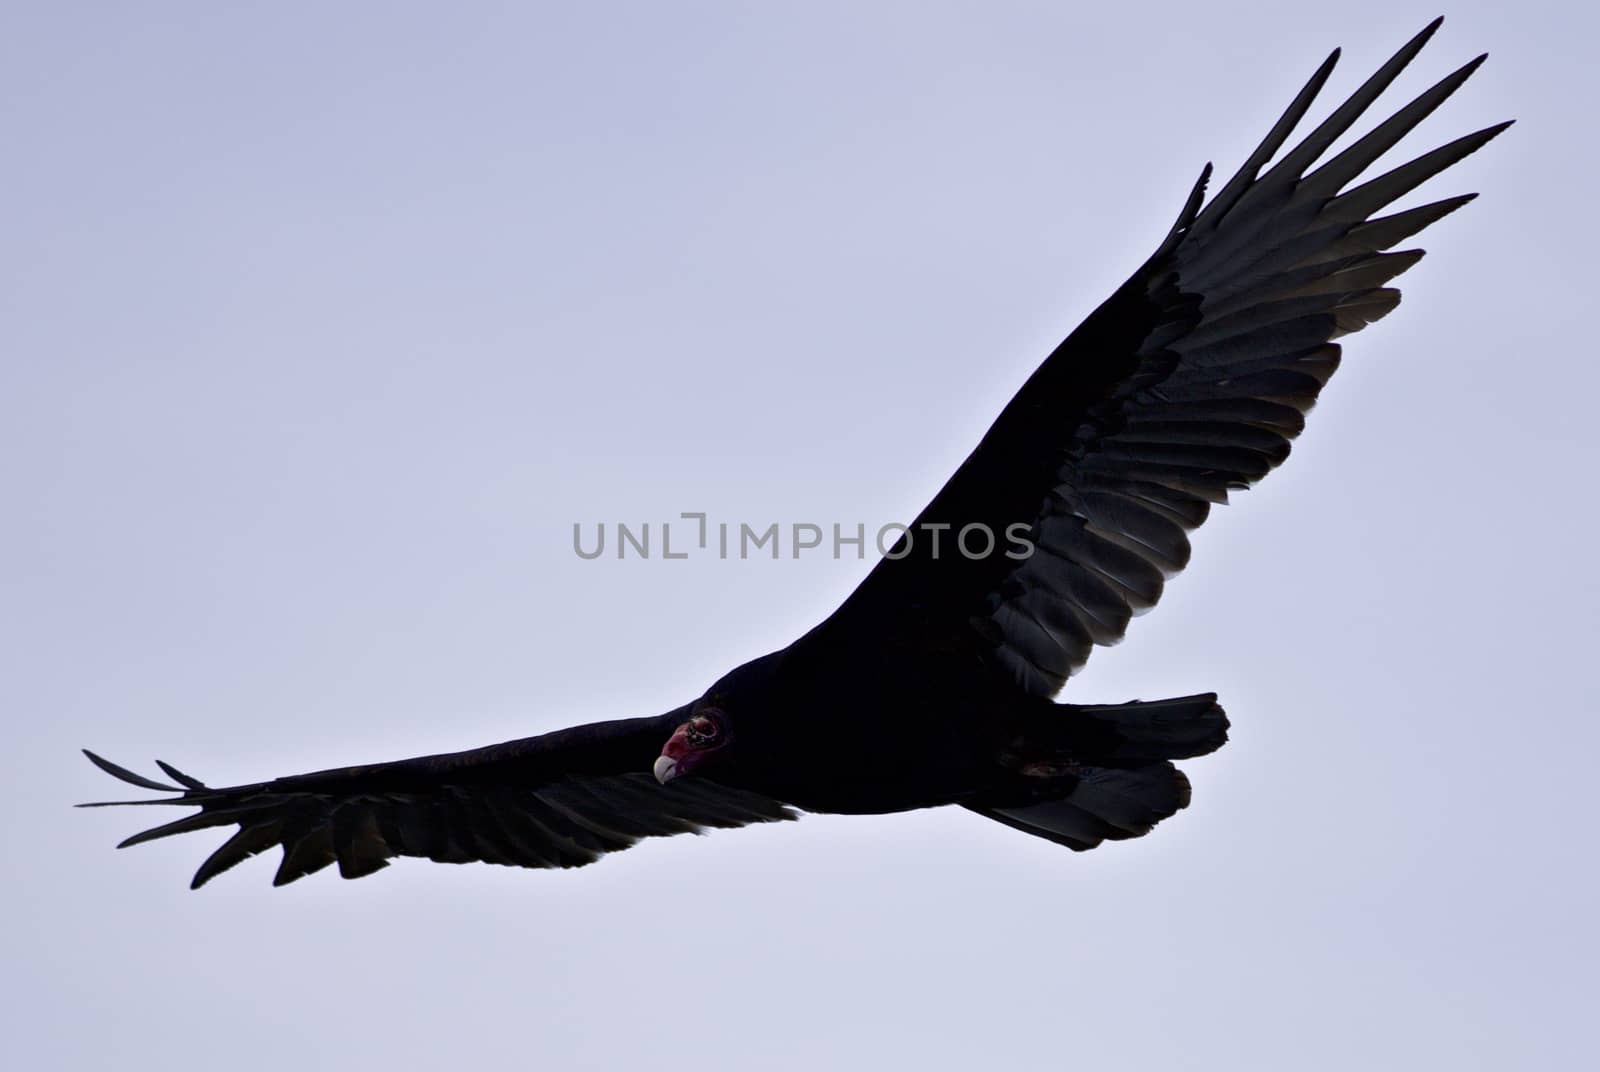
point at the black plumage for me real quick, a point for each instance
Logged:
(932, 683)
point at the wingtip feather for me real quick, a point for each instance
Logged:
(126, 775)
(181, 778)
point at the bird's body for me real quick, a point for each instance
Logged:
(932, 683)
(826, 737)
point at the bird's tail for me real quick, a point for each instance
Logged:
(1143, 730)
(1087, 774)
(1104, 804)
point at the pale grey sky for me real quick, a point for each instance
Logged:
(323, 323)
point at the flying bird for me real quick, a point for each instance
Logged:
(933, 683)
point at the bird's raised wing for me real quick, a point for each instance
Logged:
(1188, 383)
(561, 800)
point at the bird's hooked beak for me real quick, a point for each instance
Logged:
(675, 759)
(665, 769)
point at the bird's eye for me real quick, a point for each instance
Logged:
(702, 730)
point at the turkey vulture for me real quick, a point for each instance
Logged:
(932, 683)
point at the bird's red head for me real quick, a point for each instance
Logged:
(692, 744)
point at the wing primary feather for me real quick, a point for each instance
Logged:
(1186, 217)
(1369, 197)
(245, 843)
(1264, 202)
(1236, 186)
(178, 776)
(1386, 232)
(1328, 179)
(199, 821)
(126, 775)
(1327, 132)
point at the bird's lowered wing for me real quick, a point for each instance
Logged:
(1188, 383)
(560, 800)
